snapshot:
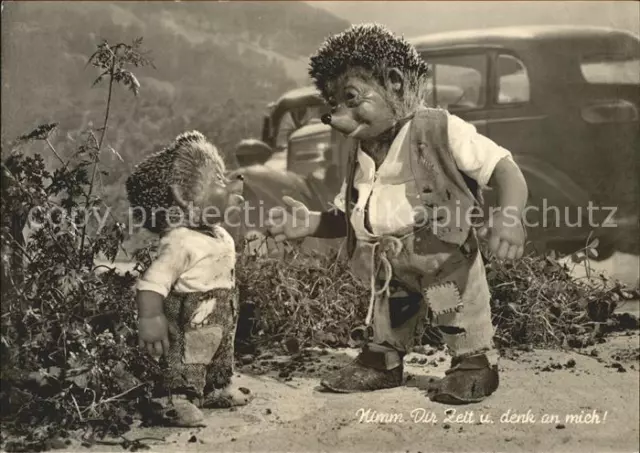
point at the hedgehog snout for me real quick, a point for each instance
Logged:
(236, 186)
(326, 118)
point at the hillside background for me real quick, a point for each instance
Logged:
(217, 66)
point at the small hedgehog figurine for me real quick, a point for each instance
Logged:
(187, 299)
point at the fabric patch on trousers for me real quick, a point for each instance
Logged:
(443, 298)
(403, 306)
(201, 344)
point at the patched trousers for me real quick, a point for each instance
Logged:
(431, 281)
(202, 328)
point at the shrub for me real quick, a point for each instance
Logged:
(308, 296)
(536, 302)
(68, 324)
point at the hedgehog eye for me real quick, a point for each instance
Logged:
(352, 98)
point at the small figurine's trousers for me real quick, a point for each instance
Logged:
(431, 280)
(201, 334)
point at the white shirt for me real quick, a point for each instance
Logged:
(190, 261)
(392, 188)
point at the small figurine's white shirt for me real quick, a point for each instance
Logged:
(190, 261)
(392, 189)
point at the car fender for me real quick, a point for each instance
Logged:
(546, 181)
(265, 188)
(555, 205)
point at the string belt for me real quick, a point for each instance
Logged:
(390, 247)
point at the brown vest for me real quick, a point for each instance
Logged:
(448, 187)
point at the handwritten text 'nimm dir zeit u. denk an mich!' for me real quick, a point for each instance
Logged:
(454, 416)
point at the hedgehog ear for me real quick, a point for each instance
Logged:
(395, 81)
(176, 191)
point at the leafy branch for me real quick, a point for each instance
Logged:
(113, 61)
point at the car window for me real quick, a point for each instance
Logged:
(314, 113)
(458, 81)
(611, 70)
(513, 80)
(296, 118)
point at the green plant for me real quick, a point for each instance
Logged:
(536, 302)
(308, 296)
(68, 324)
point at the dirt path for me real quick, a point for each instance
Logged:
(291, 415)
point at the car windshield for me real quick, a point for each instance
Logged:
(294, 119)
(287, 127)
(611, 70)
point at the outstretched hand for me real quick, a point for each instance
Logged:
(283, 224)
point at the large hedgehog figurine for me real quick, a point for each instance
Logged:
(406, 207)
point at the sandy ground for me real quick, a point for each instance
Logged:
(291, 414)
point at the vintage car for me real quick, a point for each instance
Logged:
(563, 100)
(290, 159)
